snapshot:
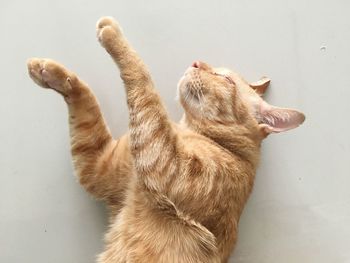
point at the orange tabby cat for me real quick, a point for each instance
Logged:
(175, 191)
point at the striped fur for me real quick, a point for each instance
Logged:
(175, 191)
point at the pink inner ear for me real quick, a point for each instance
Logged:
(280, 119)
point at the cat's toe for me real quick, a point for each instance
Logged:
(106, 21)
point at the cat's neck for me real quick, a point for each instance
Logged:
(242, 140)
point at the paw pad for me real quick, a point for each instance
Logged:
(50, 74)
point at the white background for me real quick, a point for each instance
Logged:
(300, 208)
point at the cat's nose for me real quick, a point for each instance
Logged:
(200, 65)
(196, 64)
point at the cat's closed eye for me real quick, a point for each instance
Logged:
(227, 78)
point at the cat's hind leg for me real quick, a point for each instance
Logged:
(91, 140)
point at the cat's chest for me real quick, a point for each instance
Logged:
(210, 181)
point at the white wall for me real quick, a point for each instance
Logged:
(300, 207)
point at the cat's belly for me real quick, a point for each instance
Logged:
(142, 232)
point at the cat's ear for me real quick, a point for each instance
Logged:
(261, 85)
(275, 119)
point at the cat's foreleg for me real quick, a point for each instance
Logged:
(152, 138)
(89, 133)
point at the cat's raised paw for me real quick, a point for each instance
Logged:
(107, 31)
(49, 74)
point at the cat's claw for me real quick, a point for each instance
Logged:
(49, 74)
(107, 31)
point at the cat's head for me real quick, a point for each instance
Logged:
(221, 95)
